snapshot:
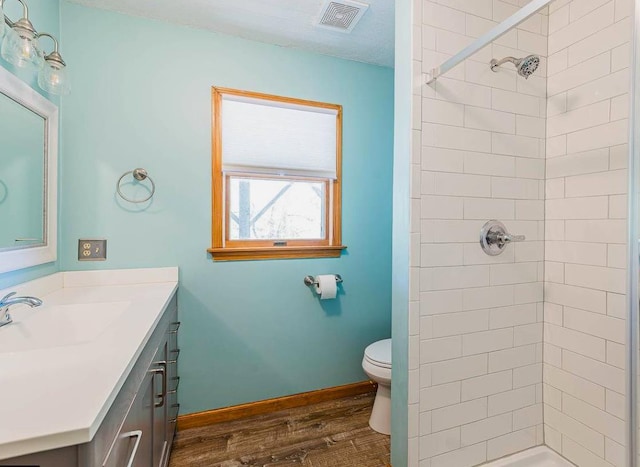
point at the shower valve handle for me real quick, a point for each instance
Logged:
(494, 238)
(508, 238)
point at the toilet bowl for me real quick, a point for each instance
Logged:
(377, 365)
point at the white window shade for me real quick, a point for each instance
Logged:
(261, 136)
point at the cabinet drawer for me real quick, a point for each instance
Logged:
(132, 445)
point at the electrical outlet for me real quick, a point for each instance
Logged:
(92, 250)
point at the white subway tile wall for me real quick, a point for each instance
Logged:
(499, 363)
(586, 184)
(476, 348)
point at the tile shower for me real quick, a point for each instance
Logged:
(525, 348)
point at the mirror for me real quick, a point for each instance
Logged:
(22, 198)
(28, 175)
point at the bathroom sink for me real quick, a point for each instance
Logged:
(58, 325)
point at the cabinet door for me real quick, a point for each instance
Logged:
(160, 406)
(132, 446)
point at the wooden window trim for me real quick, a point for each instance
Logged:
(220, 250)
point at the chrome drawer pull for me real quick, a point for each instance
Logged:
(177, 356)
(177, 380)
(130, 434)
(138, 436)
(163, 371)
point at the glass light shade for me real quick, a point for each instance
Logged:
(54, 78)
(2, 22)
(20, 47)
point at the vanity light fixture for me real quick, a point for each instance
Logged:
(52, 77)
(20, 47)
(2, 28)
(20, 43)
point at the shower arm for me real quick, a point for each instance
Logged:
(518, 17)
(496, 63)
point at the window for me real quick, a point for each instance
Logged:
(276, 177)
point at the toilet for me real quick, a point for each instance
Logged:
(377, 365)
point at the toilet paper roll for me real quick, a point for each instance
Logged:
(327, 286)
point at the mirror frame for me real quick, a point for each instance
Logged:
(47, 252)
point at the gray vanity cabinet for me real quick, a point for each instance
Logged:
(139, 427)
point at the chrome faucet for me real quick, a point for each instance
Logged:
(9, 300)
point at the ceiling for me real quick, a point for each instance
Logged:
(288, 23)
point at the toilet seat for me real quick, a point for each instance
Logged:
(379, 353)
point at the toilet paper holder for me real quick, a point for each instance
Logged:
(310, 280)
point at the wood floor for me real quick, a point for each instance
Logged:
(328, 434)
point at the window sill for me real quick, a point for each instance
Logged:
(245, 254)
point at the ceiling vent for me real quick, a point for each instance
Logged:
(341, 16)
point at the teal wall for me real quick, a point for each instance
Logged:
(141, 98)
(45, 16)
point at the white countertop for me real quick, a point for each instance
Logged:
(58, 395)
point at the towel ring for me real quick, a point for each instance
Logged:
(139, 175)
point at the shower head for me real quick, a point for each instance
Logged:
(525, 66)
